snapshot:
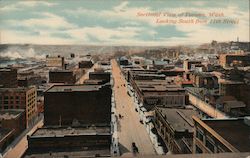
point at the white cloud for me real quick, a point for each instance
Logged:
(23, 4)
(36, 3)
(49, 20)
(9, 36)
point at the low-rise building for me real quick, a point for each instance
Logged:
(55, 61)
(12, 123)
(176, 127)
(62, 76)
(159, 92)
(90, 141)
(230, 60)
(204, 80)
(187, 64)
(221, 135)
(85, 64)
(100, 75)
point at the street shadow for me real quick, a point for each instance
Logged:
(123, 149)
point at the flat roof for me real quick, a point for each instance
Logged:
(10, 113)
(179, 118)
(17, 89)
(71, 131)
(158, 86)
(235, 131)
(74, 88)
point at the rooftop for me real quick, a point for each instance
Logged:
(180, 119)
(158, 86)
(10, 113)
(18, 89)
(239, 135)
(74, 88)
(71, 131)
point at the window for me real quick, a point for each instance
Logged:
(199, 134)
(198, 150)
(220, 150)
(210, 144)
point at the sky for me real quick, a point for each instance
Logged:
(119, 22)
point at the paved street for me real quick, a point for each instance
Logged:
(129, 127)
(22, 145)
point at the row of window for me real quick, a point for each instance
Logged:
(209, 142)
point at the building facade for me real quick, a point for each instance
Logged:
(221, 135)
(12, 124)
(8, 78)
(55, 61)
(175, 126)
(20, 98)
(77, 104)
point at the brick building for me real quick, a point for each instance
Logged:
(204, 80)
(8, 78)
(221, 135)
(20, 98)
(239, 90)
(187, 64)
(62, 76)
(12, 123)
(229, 60)
(175, 126)
(66, 105)
(99, 75)
(85, 64)
(158, 92)
(55, 61)
(93, 141)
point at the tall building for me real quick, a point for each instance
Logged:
(221, 135)
(69, 105)
(8, 78)
(77, 120)
(20, 98)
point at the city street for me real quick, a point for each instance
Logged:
(18, 150)
(129, 127)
